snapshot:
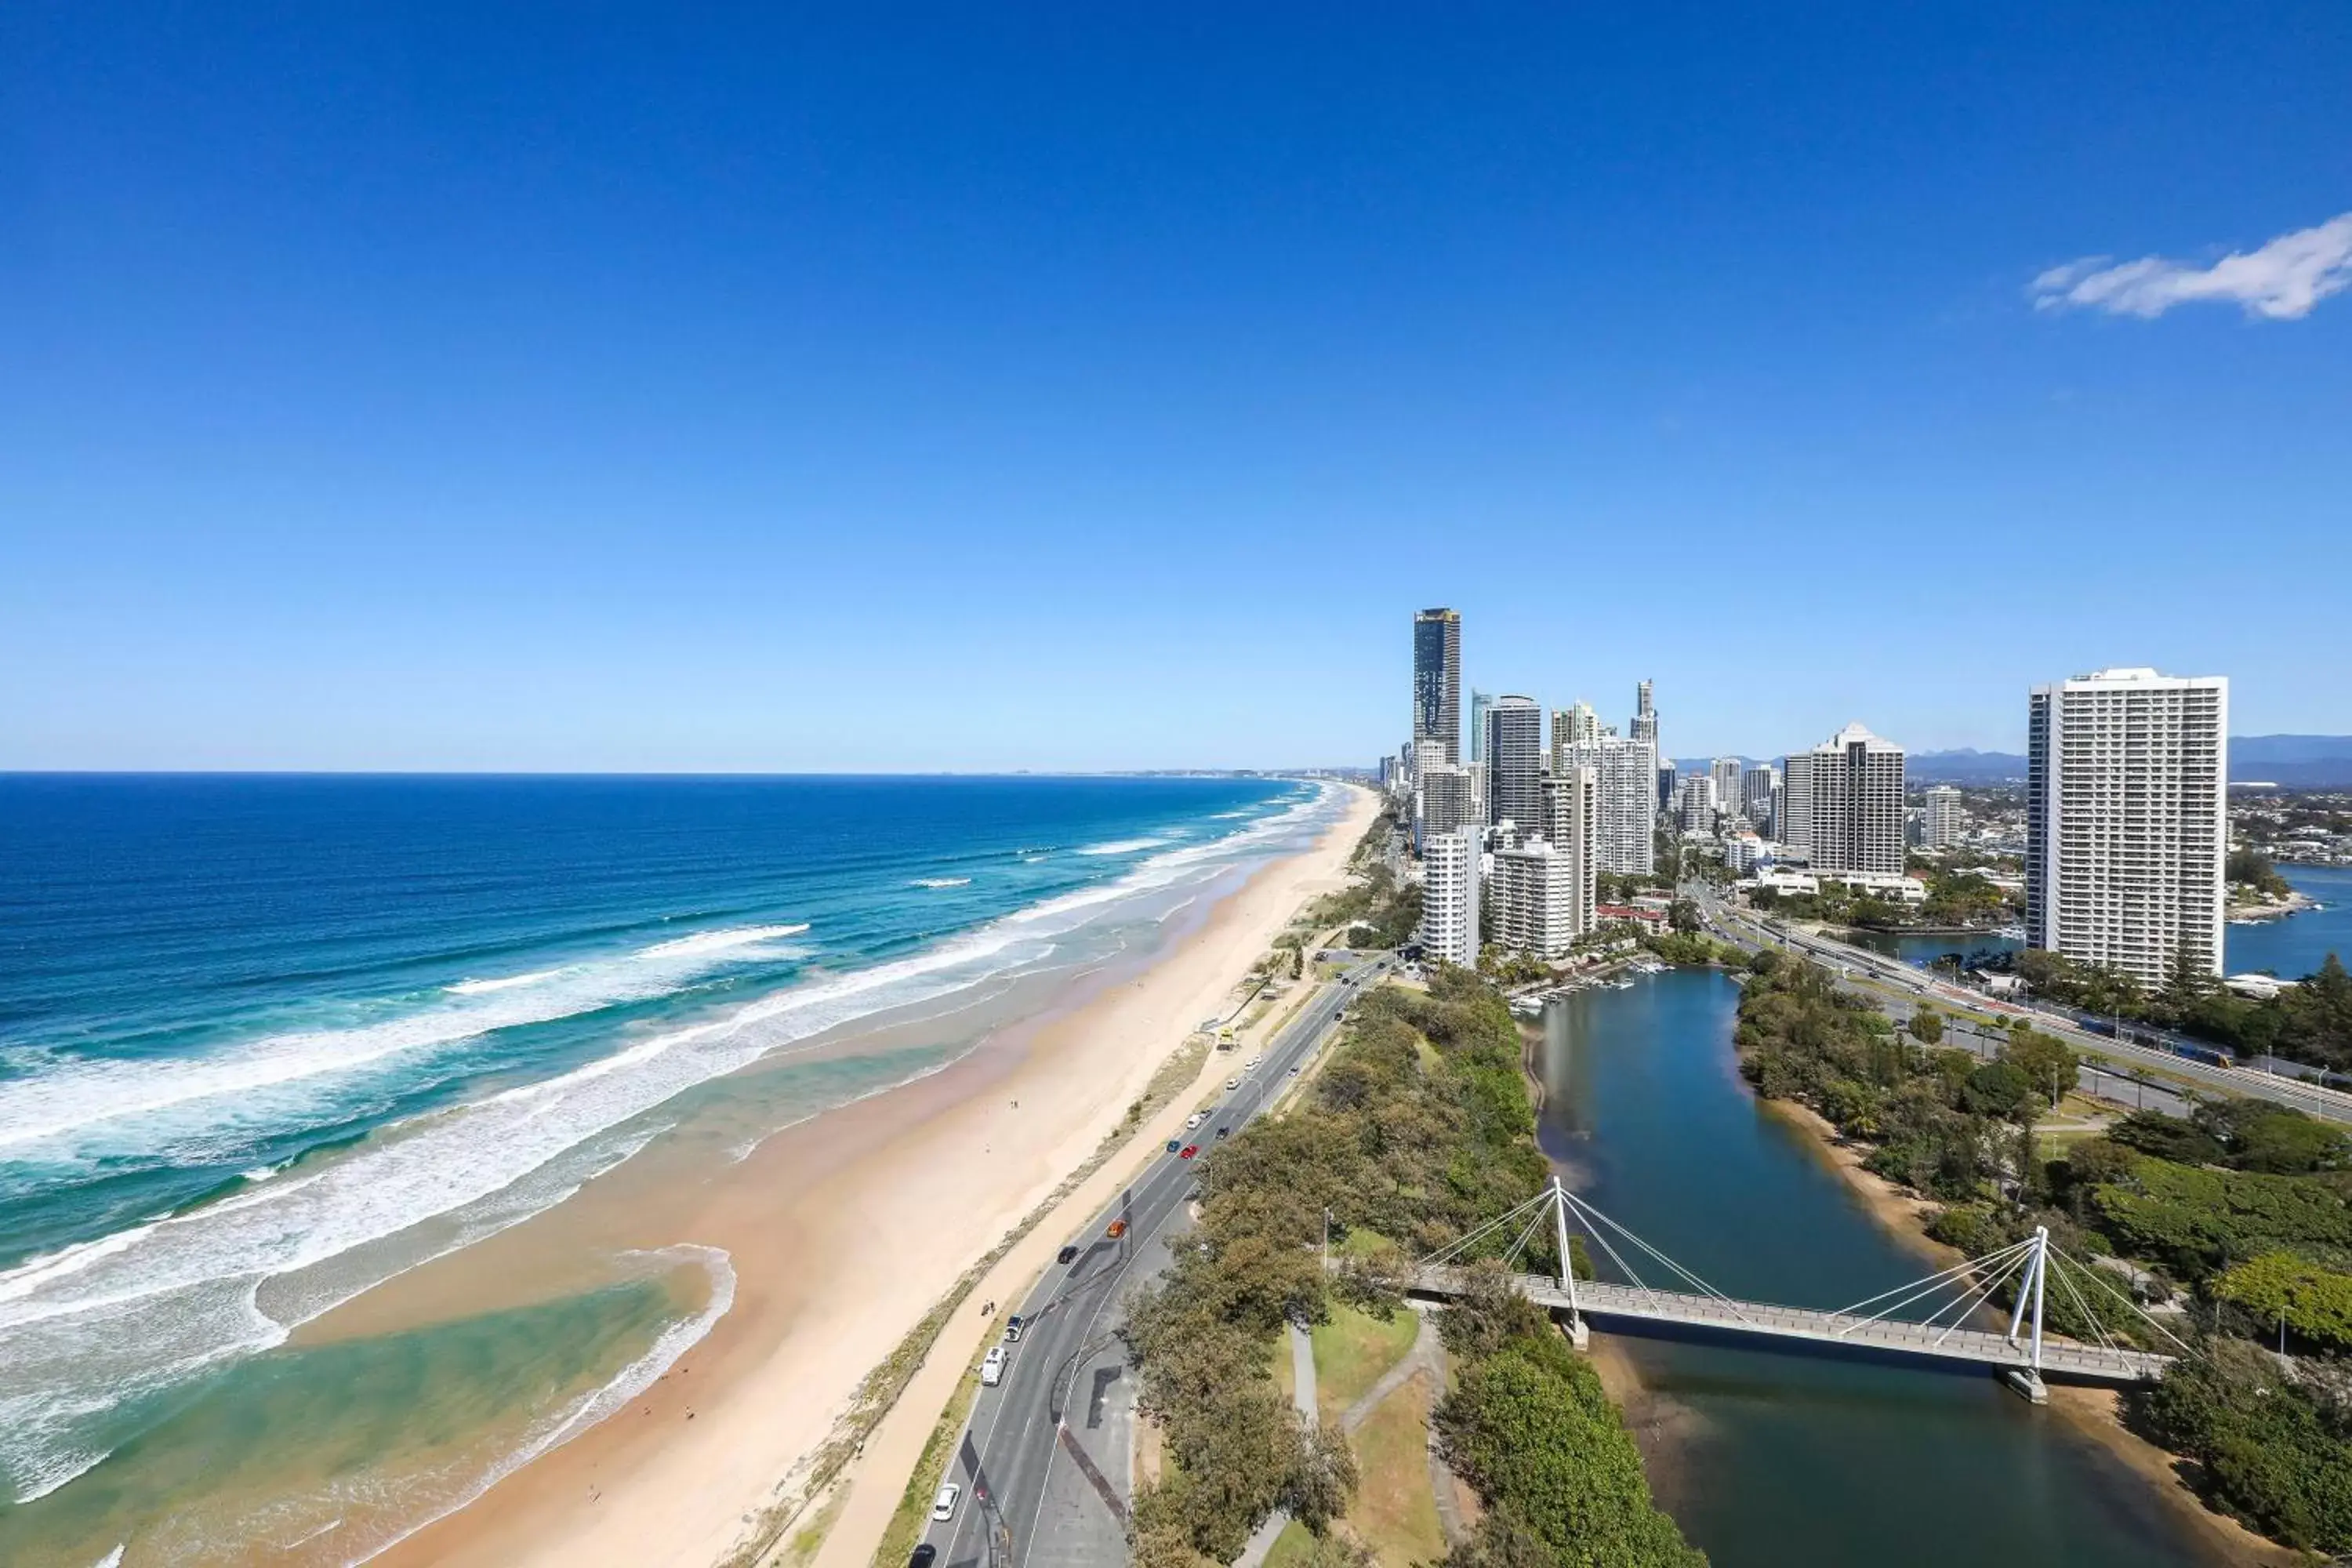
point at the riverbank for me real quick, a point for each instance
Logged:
(843, 1232)
(2097, 1413)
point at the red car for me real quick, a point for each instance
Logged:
(1189, 1150)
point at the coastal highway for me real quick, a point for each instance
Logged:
(1044, 1456)
(2328, 1104)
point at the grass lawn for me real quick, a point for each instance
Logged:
(1296, 1544)
(1352, 1349)
(1278, 1354)
(1395, 1514)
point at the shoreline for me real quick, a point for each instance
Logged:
(2095, 1414)
(845, 1232)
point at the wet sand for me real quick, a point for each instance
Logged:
(843, 1232)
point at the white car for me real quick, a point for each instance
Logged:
(1232, 1084)
(991, 1366)
(1252, 1065)
(1195, 1121)
(943, 1505)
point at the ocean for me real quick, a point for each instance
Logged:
(269, 1041)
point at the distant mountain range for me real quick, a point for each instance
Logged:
(2299, 762)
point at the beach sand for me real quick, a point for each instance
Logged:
(843, 1232)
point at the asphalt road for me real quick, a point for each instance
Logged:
(1044, 1456)
(2117, 1058)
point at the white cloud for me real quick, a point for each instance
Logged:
(2281, 281)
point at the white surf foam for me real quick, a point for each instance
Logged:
(199, 1093)
(940, 882)
(485, 987)
(87, 1326)
(1123, 847)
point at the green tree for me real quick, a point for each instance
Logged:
(2314, 1303)
(1926, 1026)
(2046, 1061)
(2317, 1016)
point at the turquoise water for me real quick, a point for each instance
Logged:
(266, 1042)
(2294, 947)
(1770, 1458)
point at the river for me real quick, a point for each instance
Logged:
(1770, 1458)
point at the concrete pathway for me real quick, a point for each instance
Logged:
(1302, 1395)
(1426, 1356)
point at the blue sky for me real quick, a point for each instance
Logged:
(613, 387)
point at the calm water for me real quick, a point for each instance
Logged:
(2290, 948)
(1777, 1458)
(266, 1042)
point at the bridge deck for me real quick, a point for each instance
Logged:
(2059, 1358)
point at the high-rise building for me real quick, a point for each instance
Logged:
(1572, 826)
(1645, 715)
(1446, 802)
(1437, 680)
(1857, 805)
(1575, 726)
(2127, 820)
(1756, 786)
(1667, 779)
(1449, 897)
(1694, 804)
(1514, 764)
(1479, 702)
(1627, 775)
(1535, 897)
(1725, 772)
(1792, 814)
(1942, 822)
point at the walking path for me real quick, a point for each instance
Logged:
(1302, 1395)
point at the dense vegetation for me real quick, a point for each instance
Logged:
(2236, 1220)
(2252, 869)
(1962, 897)
(1418, 1129)
(2311, 1022)
(1530, 1427)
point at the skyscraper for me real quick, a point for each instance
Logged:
(1515, 764)
(1479, 702)
(1445, 803)
(1694, 804)
(1449, 897)
(1572, 825)
(2127, 820)
(1942, 821)
(1857, 805)
(1792, 814)
(1645, 715)
(1724, 773)
(1627, 772)
(1756, 797)
(1437, 680)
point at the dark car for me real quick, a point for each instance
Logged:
(924, 1556)
(1066, 1255)
(1223, 1133)
(1012, 1327)
(1174, 1145)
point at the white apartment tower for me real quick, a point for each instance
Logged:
(1627, 771)
(1645, 715)
(1449, 897)
(1572, 826)
(1725, 772)
(1513, 763)
(2127, 820)
(1943, 821)
(1857, 805)
(1535, 899)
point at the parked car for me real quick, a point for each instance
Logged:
(1189, 1150)
(943, 1503)
(1013, 1326)
(1195, 1120)
(991, 1366)
(1067, 1255)
(923, 1556)
(1232, 1084)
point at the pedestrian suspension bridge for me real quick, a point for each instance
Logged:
(1891, 1321)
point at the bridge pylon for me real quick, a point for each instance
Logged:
(1578, 1334)
(2027, 1379)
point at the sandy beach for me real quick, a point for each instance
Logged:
(843, 1232)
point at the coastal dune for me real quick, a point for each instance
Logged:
(843, 1232)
